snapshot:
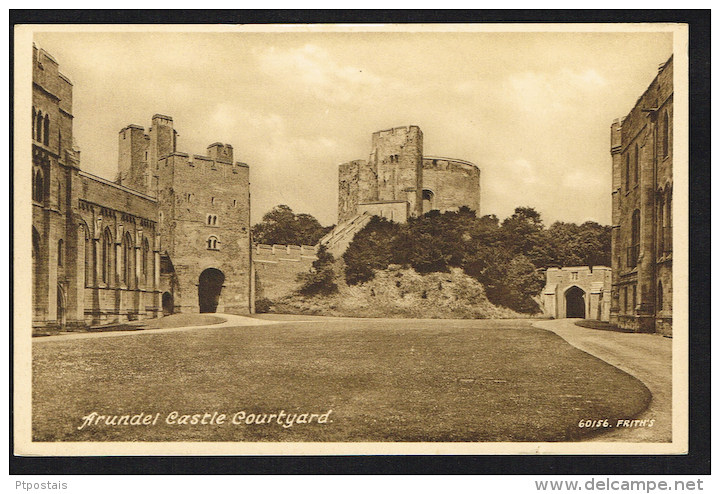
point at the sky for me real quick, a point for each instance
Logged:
(533, 110)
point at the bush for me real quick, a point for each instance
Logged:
(370, 250)
(263, 305)
(321, 280)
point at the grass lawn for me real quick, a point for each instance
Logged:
(400, 380)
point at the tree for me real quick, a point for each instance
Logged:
(321, 279)
(522, 229)
(567, 244)
(370, 250)
(283, 227)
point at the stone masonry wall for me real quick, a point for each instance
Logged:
(642, 186)
(202, 201)
(277, 268)
(397, 156)
(453, 183)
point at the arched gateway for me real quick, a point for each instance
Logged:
(209, 287)
(575, 302)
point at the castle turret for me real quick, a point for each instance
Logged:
(221, 152)
(397, 156)
(133, 158)
(163, 138)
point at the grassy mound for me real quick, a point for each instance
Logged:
(399, 292)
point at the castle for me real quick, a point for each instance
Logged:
(398, 182)
(171, 234)
(642, 186)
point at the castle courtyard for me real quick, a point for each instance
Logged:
(318, 379)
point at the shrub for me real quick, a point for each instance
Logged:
(321, 280)
(263, 305)
(371, 250)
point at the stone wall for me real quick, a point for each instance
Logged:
(277, 267)
(449, 184)
(642, 151)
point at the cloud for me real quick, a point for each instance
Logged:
(313, 70)
(554, 92)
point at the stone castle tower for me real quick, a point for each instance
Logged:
(398, 182)
(397, 156)
(204, 217)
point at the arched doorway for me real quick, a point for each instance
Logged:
(209, 288)
(168, 304)
(427, 200)
(60, 306)
(575, 302)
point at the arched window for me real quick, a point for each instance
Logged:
(106, 257)
(60, 252)
(127, 260)
(38, 126)
(663, 221)
(212, 243)
(88, 259)
(634, 248)
(38, 191)
(636, 165)
(145, 260)
(32, 122)
(627, 171)
(212, 220)
(665, 135)
(427, 200)
(660, 296)
(46, 130)
(36, 260)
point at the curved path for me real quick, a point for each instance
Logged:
(647, 357)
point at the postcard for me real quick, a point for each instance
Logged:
(351, 239)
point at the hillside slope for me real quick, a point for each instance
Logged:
(400, 292)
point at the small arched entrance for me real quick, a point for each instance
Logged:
(168, 304)
(209, 288)
(427, 200)
(575, 302)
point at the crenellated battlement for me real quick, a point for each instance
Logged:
(141, 152)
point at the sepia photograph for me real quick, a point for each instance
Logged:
(438, 239)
